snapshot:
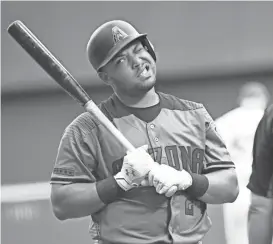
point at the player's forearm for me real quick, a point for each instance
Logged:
(223, 187)
(75, 200)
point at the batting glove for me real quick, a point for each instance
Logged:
(136, 166)
(165, 178)
(169, 193)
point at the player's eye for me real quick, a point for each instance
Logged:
(139, 49)
(120, 60)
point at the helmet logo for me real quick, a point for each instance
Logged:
(118, 34)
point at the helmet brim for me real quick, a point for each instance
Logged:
(118, 47)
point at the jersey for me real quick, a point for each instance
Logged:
(237, 128)
(182, 135)
(261, 179)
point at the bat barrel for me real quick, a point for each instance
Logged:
(31, 44)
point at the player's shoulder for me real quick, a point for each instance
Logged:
(87, 122)
(83, 124)
(175, 103)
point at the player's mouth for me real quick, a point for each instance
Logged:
(144, 71)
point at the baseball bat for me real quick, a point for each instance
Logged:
(35, 48)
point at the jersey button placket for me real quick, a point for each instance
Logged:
(152, 126)
(151, 133)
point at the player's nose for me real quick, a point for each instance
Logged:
(136, 62)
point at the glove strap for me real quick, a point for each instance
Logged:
(124, 183)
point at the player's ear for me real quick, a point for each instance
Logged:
(104, 77)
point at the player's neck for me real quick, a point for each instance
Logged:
(147, 100)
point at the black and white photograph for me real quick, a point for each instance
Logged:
(137, 122)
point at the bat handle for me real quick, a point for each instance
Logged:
(92, 108)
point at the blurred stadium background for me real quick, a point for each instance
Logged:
(206, 51)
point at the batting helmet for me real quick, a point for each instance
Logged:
(108, 39)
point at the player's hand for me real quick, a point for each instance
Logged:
(169, 193)
(165, 178)
(136, 165)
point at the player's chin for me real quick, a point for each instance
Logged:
(148, 84)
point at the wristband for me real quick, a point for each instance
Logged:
(200, 185)
(108, 190)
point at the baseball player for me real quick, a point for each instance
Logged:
(237, 128)
(260, 215)
(158, 192)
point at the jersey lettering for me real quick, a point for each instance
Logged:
(197, 160)
(172, 157)
(156, 153)
(191, 204)
(188, 159)
(117, 165)
(189, 208)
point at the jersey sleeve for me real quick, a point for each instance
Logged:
(216, 153)
(75, 162)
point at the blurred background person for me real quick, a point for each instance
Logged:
(237, 128)
(260, 215)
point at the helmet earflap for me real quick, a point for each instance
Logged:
(149, 47)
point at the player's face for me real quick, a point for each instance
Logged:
(132, 71)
